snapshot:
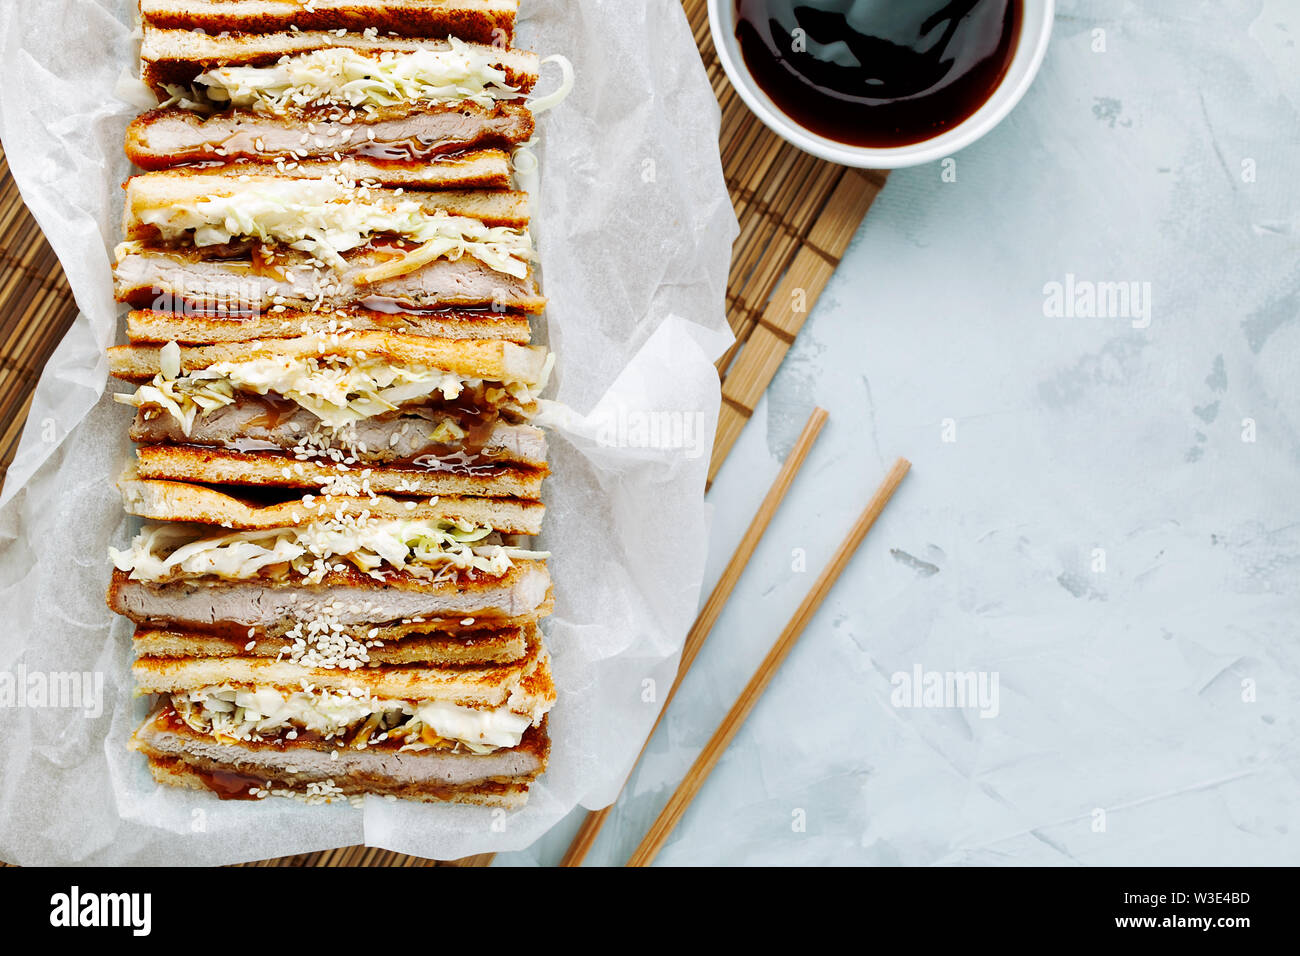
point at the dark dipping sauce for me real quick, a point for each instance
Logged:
(900, 72)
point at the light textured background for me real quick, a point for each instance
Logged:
(636, 577)
(1126, 690)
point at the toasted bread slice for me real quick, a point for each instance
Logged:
(482, 21)
(469, 169)
(351, 597)
(149, 192)
(181, 501)
(180, 756)
(472, 169)
(524, 687)
(403, 645)
(262, 470)
(145, 326)
(491, 361)
(236, 776)
(427, 143)
(194, 282)
(171, 56)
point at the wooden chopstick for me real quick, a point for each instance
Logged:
(712, 610)
(672, 813)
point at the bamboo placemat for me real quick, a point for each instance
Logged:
(797, 215)
(36, 308)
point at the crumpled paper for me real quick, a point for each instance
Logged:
(634, 229)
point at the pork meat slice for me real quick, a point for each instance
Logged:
(252, 423)
(163, 138)
(307, 764)
(347, 597)
(177, 282)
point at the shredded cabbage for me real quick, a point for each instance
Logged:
(540, 104)
(339, 390)
(170, 550)
(345, 77)
(244, 713)
(325, 217)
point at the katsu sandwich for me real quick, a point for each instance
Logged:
(334, 585)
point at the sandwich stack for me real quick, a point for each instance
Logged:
(334, 589)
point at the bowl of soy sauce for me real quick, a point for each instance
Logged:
(881, 84)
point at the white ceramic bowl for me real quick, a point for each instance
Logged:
(1031, 46)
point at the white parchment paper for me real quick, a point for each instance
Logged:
(634, 228)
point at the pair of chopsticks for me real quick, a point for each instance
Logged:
(708, 617)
